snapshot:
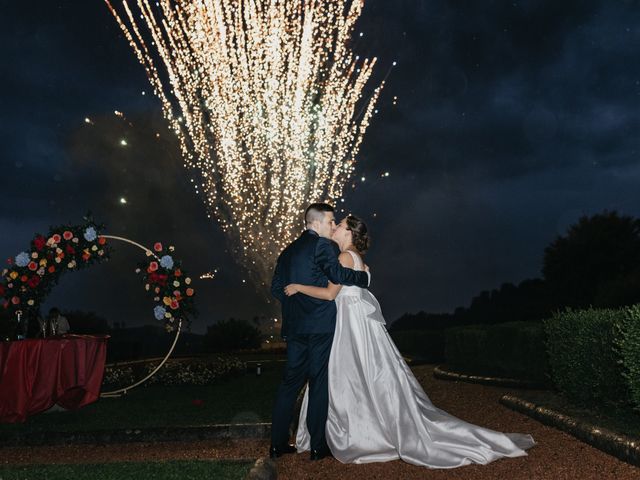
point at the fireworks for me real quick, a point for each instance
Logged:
(267, 101)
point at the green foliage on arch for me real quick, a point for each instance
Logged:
(31, 274)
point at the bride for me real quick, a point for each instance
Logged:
(377, 409)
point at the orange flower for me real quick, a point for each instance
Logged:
(189, 292)
(102, 240)
(177, 272)
(51, 269)
(166, 300)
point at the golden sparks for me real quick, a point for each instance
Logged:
(267, 101)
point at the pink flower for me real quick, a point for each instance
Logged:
(67, 235)
(157, 247)
(15, 300)
(153, 266)
(56, 238)
(33, 266)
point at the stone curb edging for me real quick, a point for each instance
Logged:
(623, 447)
(442, 373)
(162, 434)
(263, 469)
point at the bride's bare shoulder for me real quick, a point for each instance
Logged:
(346, 260)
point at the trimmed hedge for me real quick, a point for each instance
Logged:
(426, 345)
(513, 349)
(628, 346)
(587, 349)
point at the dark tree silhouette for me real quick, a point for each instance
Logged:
(596, 263)
(88, 323)
(232, 334)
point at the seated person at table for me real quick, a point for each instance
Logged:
(58, 324)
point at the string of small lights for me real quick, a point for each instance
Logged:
(267, 101)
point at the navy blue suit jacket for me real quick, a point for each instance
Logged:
(310, 260)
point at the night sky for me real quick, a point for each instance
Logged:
(513, 120)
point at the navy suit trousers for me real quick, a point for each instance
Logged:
(307, 360)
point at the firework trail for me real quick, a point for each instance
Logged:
(267, 101)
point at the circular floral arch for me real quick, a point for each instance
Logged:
(31, 275)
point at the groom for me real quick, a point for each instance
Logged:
(308, 325)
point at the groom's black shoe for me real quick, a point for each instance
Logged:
(320, 453)
(275, 452)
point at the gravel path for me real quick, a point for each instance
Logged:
(557, 456)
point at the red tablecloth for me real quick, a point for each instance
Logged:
(36, 374)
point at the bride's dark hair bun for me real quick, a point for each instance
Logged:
(359, 233)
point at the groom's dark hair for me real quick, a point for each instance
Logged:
(316, 211)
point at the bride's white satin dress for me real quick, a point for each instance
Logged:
(377, 409)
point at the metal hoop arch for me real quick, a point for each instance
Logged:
(123, 391)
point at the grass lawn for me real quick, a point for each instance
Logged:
(178, 470)
(620, 420)
(244, 399)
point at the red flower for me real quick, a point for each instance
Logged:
(1, 290)
(177, 272)
(67, 235)
(153, 266)
(39, 242)
(158, 278)
(56, 238)
(33, 266)
(51, 269)
(24, 278)
(190, 292)
(102, 240)
(15, 300)
(157, 247)
(70, 250)
(34, 281)
(177, 294)
(174, 304)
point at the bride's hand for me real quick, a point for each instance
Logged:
(291, 289)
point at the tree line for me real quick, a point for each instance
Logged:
(595, 263)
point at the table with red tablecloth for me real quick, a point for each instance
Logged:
(36, 374)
